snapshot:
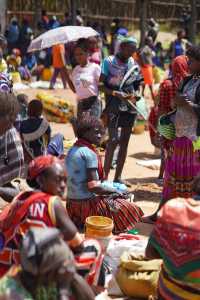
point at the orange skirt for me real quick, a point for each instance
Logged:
(147, 72)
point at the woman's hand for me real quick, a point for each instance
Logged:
(124, 96)
(181, 100)
(132, 99)
(120, 95)
(80, 288)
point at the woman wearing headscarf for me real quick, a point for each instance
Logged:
(184, 162)
(168, 88)
(167, 92)
(41, 207)
(47, 270)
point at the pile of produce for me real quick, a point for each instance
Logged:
(56, 109)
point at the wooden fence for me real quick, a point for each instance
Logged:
(104, 11)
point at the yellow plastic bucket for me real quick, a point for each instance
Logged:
(47, 74)
(98, 226)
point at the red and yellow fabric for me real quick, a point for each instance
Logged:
(39, 164)
(124, 214)
(29, 209)
(176, 237)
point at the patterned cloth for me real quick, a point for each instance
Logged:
(83, 156)
(166, 94)
(11, 157)
(168, 87)
(182, 165)
(20, 216)
(170, 289)
(124, 214)
(35, 133)
(179, 69)
(176, 238)
(5, 83)
(186, 121)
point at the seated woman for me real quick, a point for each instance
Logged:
(42, 207)
(176, 239)
(35, 131)
(87, 195)
(14, 62)
(29, 62)
(47, 268)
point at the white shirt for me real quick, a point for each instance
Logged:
(86, 80)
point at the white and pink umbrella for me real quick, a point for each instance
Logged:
(61, 35)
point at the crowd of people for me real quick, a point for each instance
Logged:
(43, 253)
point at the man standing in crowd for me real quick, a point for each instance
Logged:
(120, 114)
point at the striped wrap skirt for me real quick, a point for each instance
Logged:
(123, 213)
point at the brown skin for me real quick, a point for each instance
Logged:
(67, 73)
(151, 252)
(180, 35)
(66, 278)
(81, 56)
(126, 51)
(53, 182)
(94, 136)
(81, 289)
(180, 100)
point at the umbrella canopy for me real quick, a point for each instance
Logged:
(61, 35)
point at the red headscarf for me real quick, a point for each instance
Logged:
(41, 163)
(179, 69)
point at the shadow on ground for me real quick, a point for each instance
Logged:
(144, 156)
(146, 189)
(145, 180)
(149, 196)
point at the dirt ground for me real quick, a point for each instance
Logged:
(143, 180)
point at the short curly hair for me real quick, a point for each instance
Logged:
(194, 52)
(35, 108)
(86, 123)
